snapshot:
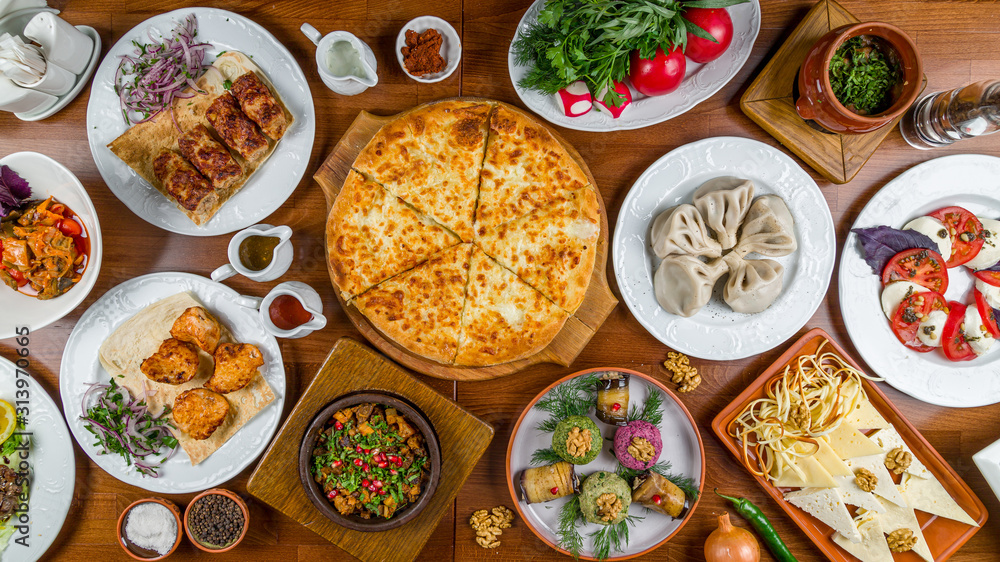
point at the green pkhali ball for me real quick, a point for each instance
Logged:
(563, 432)
(595, 486)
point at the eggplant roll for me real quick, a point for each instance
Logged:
(612, 398)
(183, 182)
(235, 128)
(546, 483)
(259, 105)
(210, 157)
(655, 492)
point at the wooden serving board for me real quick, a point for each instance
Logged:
(568, 343)
(770, 103)
(350, 367)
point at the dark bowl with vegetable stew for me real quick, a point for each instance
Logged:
(370, 461)
(859, 78)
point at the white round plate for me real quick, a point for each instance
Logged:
(52, 463)
(701, 81)
(269, 187)
(716, 332)
(682, 447)
(971, 181)
(48, 177)
(81, 367)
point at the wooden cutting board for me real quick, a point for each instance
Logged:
(568, 343)
(351, 367)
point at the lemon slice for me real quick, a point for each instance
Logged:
(8, 420)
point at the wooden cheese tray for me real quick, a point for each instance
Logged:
(352, 367)
(943, 536)
(568, 343)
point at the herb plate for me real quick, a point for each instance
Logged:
(701, 81)
(682, 448)
(971, 181)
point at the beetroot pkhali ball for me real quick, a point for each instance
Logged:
(638, 445)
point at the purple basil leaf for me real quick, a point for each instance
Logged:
(13, 190)
(880, 243)
(994, 267)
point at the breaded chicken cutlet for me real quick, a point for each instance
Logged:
(235, 366)
(195, 325)
(199, 412)
(176, 362)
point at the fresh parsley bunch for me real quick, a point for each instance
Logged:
(591, 40)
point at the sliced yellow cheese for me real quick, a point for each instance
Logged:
(888, 438)
(894, 517)
(848, 442)
(884, 485)
(873, 546)
(853, 495)
(826, 505)
(927, 494)
(865, 416)
(804, 472)
(826, 457)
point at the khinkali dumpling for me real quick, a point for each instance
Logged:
(683, 284)
(681, 230)
(724, 202)
(753, 284)
(768, 229)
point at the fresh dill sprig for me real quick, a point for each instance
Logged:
(652, 408)
(612, 537)
(569, 537)
(572, 398)
(663, 468)
(545, 456)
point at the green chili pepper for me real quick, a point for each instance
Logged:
(756, 517)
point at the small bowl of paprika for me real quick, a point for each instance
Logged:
(428, 49)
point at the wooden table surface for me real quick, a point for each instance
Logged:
(956, 38)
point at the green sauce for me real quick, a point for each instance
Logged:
(256, 252)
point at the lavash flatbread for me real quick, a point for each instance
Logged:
(140, 336)
(139, 145)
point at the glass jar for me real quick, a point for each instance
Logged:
(942, 118)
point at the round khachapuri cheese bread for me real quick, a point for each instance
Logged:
(466, 233)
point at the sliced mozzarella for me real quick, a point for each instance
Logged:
(935, 230)
(989, 254)
(894, 293)
(931, 326)
(991, 293)
(975, 331)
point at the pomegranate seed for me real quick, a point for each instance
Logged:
(392, 471)
(371, 487)
(657, 499)
(336, 464)
(382, 492)
(358, 449)
(364, 467)
(616, 407)
(554, 490)
(382, 464)
(393, 459)
(378, 483)
(331, 495)
(357, 462)
(365, 482)
(367, 451)
(338, 426)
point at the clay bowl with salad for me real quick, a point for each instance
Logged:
(370, 461)
(858, 78)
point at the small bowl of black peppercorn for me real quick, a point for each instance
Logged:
(216, 520)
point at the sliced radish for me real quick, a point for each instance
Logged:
(621, 88)
(575, 99)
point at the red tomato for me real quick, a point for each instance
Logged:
(17, 276)
(906, 320)
(986, 313)
(918, 265)
(988, 277)
(718, 24)
(966, 233)
(70, 227)
(657, 76)
(955, 346)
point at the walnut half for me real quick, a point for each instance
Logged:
(898, 460)
(488, 526)
(641, 449)
(578, 442)
(901, 540)
(683, 373)
(608, 506)
(866, 479)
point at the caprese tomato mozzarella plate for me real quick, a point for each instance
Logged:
(915, 263)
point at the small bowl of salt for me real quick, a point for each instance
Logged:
(150, 529)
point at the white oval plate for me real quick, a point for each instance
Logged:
(52, 464)
(682, 447)
(701, 81)
(967, 180)
(81, 367)
(716, 332)
(269, 187)
(50, 178)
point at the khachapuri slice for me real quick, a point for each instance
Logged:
(421, 309)
(454, 133)
(372, 235)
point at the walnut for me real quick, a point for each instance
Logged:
(866, 479)
(898, 460)
(683, 373)
(490, 526)
(901, 540)
(578, 442)
(608, 506)
(801, 416)
(641, 449)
